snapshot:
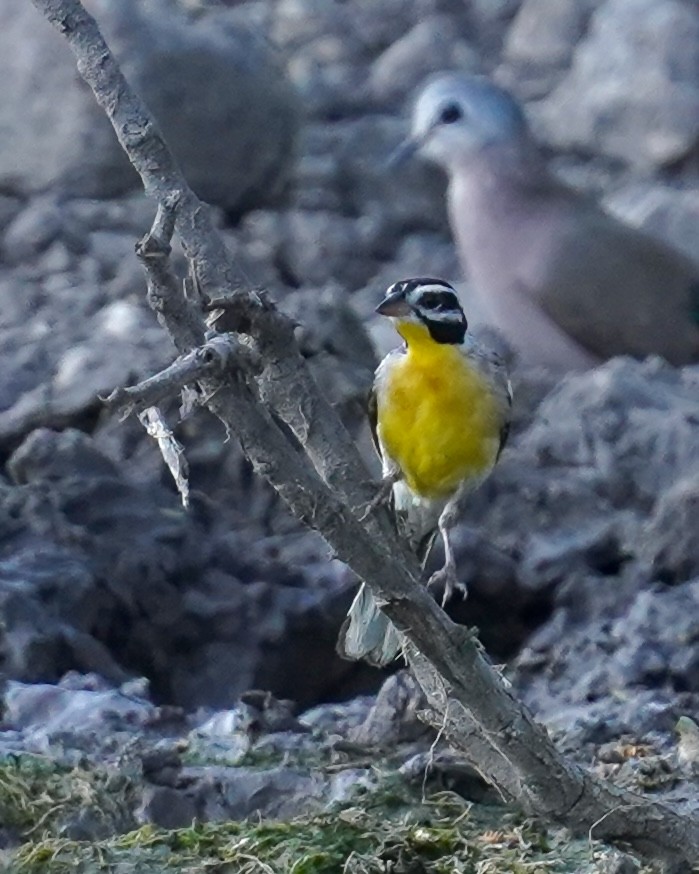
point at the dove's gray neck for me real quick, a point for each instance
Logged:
(505, 212)
(498, 200)
(501, 176)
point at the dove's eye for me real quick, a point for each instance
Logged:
(450, 113)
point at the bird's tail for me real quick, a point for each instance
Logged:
(367, 634)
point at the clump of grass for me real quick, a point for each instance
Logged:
(440, 835)
(39, 796)
(389, 828)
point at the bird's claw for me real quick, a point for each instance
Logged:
(446, 576)
(381, 496)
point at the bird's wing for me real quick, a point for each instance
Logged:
(494, 368)
(372, 410)
(617, 290)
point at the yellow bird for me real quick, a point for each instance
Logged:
(440, 413)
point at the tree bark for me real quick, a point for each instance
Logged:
(327, 486)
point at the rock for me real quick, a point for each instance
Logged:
(618, 863)
(215, 89)
(431, 46)
(364, 28)
(54, 134)
(633, 91)
(334, 342)
(619, 670)
(47, 455)
(277, 793)
(540, 43)
(400, 200)
(46, 606)
(393, 718)
(668, 213)
(33, 230)
(598, 544)
(598, 448)
(317, 245)
(101, 574)
(46, 712)
(488, 20)
(71, 371)
(669, 541)
(167, 807)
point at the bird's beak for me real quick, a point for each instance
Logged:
(394, 304)
(404, 152)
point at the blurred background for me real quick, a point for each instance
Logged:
(581, 553)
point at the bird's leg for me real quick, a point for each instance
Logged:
(446, 575)
(382, 493)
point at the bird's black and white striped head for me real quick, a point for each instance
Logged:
(432, 303)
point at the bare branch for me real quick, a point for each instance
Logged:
(221, 353)
(327, 486)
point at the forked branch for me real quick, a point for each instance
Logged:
(328, 485)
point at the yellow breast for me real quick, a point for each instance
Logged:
(437, 416)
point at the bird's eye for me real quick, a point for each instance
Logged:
(450, 113)
(430, 303)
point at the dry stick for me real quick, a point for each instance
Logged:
(534, 772)
(210, 361)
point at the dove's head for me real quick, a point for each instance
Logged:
(456, 116)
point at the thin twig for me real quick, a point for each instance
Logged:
(221, 353)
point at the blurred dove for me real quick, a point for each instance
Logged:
(565, 282)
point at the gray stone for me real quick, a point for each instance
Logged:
(99, 573)
(394, 717)
(223, 103)
(633, 88)
(277, 793)
(671, 214)
(317, 245)
(431, 46)
(670, 542)
(331, 46)
(541, 40)
(51, 129)
(48, 600)
(618, 863)
(336, 345)
(33, 230)
(167, 807)
(49, 455)
(400, 200)
(45, 712)
(70, 371)
(361, 28)
(315, 184)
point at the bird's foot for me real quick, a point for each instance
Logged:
(382, 494)
(446, 576)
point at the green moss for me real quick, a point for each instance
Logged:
(38, 796)
(447, 836)
(389, 829)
